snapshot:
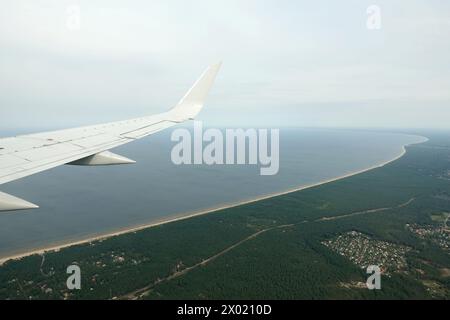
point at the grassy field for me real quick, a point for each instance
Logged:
(271, 249)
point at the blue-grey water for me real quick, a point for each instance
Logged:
(80, 202)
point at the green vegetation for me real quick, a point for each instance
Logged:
(272, 248)
(441, 217)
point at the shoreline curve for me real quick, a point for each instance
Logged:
(185, 216)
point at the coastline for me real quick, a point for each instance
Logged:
(188, 215)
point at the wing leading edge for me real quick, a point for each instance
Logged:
(25, 155)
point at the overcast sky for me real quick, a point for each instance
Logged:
(286, 63)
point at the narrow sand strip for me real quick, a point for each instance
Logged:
(197, 213)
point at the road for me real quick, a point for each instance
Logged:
(402, 205)
(147, 289)
(143, 291)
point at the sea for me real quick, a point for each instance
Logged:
(77, 203)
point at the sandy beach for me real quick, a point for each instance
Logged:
(187, 215)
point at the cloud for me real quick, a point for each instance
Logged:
(285, 62)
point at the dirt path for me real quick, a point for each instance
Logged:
(141, 292)
(41, 268)
(367, 211)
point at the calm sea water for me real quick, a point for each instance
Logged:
(80, 202)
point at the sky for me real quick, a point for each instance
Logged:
(285, 62)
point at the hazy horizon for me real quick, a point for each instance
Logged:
(286, 63)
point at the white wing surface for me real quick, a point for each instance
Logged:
(25, 155)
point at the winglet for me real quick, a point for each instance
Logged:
(11, 203)
(193, 101)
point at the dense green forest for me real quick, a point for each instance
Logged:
(271, 249)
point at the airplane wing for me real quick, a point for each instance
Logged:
(25, 155)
